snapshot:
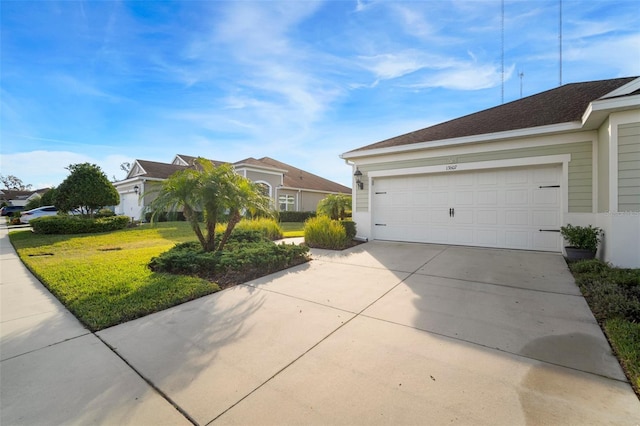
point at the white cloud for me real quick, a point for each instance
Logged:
(48, 168)
(466, 77)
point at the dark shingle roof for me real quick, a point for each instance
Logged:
(157, 170)
(192, 160)
(298, 178)
(564, 104)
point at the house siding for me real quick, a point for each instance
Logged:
(603, 167)
(629, 167)
(580, 170)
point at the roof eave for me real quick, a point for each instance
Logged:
(598, 111)
(487, 137)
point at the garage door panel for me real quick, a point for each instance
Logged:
(516, 176)
(487, 198)
(545, 218)
(546, 196)
(516, 218)
(491, 208)
(463, 216)
(439, 198)
(516, 197)
(487, 237)
(516, 239)
(487, 217)
(463, 198)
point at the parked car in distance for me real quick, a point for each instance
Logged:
(38, 212)
(7, 210)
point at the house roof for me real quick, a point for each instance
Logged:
(154, 169)
(564, 104)
(189, 159)
(14, 194)
(298, 178)
(293, 176)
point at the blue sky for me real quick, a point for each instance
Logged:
(302, 82)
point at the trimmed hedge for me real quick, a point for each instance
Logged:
(245, 258)
(76, 225)
(295, 216)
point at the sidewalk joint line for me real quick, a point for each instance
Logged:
(149, 382)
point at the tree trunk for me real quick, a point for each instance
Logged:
(234, 218)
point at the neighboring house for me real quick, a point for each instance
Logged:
(20, 198)
(510, 176)
(290, 188)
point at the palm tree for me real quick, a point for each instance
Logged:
(335, 206)
(214, 191)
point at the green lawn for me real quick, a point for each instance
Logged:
(103, 279)
(292, 229)
(613, 294)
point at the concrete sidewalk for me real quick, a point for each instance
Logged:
(54, 371)
(383, 333)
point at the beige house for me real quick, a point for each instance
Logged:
(290, 188)
(512, 175)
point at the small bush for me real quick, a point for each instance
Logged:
(76, 225)
(295, 216)
(322, 232)
(104, 213)
(350, 228)
(267, 227)
(237, 263)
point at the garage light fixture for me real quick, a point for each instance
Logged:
(136, 189)
(358, 176)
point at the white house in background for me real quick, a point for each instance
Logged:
(510, 176)
(290, 188)
(20, 198)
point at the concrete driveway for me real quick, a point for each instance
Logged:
(383, 333)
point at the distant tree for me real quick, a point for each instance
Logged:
(125, 167)
(49, 197)
(86, 189)
(335, 206)
(46, 199)
(13, 183)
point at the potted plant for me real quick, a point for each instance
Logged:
(583, 241)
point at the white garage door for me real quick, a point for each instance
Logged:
(510, 208)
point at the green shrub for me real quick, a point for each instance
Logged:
(350, 228)
(76, 225)
(611, 292)
(295, 216)
(582, 237)
(240, 261)
(104, 213)
(322, 232)
(267, 227)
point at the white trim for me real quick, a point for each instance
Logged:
(537, 142)
(487, 137)
(630, 87)
(291, 188)
(260, 169)
(458, 167)
(264, 182)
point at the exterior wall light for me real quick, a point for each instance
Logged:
(136, 189)
(358, 176)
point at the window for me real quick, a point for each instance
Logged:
(264, 188)
(287, 203)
